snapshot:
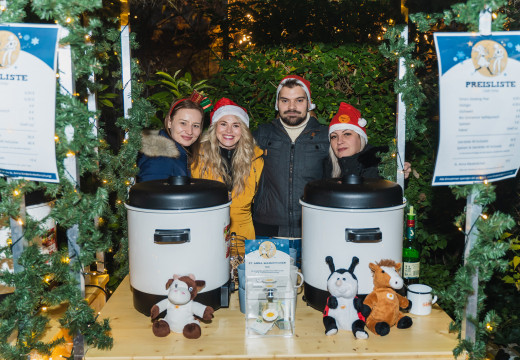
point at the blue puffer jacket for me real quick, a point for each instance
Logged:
(288, 167)
(161, 157)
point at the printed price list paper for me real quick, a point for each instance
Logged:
(479, 79)
(28, 101)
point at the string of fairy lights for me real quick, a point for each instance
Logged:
(114, 179)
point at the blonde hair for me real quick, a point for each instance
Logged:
(211, 161)
(336, 169)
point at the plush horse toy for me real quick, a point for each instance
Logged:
(343, 309)
(180, 308)
(384, 302)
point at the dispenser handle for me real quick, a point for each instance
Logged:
(171, 236)
(367, 235)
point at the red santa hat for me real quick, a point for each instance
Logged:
(302, 82)
(348, 118)
(225, 107)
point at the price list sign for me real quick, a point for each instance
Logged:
(479, 79)
(28, 101)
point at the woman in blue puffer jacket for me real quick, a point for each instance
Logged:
(166, 152)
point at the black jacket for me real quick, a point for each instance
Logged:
(288, 167)
(365, 163)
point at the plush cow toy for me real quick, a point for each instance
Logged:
(180, 308)
(344, 310)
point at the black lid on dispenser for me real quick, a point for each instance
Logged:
(178, 193)
(353, 192)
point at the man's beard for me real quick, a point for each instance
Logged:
(293, 119)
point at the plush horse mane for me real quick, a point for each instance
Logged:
(386, 262)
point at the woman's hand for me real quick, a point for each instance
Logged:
(407, 169)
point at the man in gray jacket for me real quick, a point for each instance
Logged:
(296, 149)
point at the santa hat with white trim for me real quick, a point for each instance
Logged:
(225, 107)
(306, 85)
(348, 118)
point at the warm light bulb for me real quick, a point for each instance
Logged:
(484, 216)
(56, 138)
(68, 20)
(16, 192)
(19, 221)
(70, 154)
(65, 260)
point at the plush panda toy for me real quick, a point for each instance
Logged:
(344, 310)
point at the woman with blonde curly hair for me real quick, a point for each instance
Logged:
(228, 154)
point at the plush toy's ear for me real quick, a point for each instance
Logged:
(175, 277)
(355, 261)
(330, 262)
(191, 276)
(372, 267)
(200, 284)
(169, 283)
(397, 266)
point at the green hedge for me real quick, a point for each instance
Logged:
(355, 74)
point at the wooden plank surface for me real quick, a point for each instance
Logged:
(224, 337)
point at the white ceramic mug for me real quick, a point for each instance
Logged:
(295, 274)
(421, 297)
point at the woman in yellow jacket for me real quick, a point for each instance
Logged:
(228, 154)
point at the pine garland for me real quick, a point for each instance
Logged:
(47, 280)
(487, 255)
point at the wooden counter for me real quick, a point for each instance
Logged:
(224, 337)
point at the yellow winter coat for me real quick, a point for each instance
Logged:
(241, 204)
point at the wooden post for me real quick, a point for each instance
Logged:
(473, 212)
(16, 226)
(125, 58)
(65, 69)
(401, 120)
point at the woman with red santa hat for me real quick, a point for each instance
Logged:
(228, 153)
(349, 150)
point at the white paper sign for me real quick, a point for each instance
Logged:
(28, 101)
(479, 78)
(267, 257)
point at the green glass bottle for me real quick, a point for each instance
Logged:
(411, 261)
